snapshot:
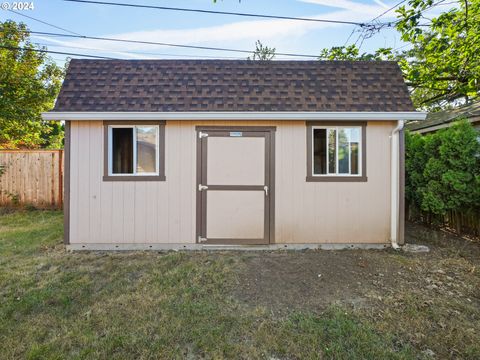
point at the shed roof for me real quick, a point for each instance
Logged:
(436, 120)
(232, 85)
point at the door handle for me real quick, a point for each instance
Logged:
(265, 188)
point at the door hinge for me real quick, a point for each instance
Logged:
(201, 239)
(202, 134)
(202, 187)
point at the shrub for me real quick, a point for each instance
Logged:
(443, 170)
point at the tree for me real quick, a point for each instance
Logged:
(352, 53)
(415, 160)
(442, 68)
(443, 65)
(263, 53)
(443, 170)
(29, 84)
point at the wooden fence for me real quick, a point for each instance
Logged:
(31, 178)
(461, 223)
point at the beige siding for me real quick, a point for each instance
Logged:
(329, 212)
(164, 212)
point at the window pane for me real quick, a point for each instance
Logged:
(343, 151)
(354, 148)
(146, 149)
(122, 151)
(332, 144)
(319, 151)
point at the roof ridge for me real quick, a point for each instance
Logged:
(237, 60)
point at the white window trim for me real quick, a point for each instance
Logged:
(329, 174)
(157, 151)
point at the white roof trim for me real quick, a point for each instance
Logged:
(235, 115)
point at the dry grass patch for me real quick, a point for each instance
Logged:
(146, 305)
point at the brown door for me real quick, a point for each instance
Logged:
(235, 185)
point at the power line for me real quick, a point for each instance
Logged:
(388, 10)
(54, 52)
(165, 44)
(77, 35)
(44, 22)
(217, 12)
(349, 36)
(134, 52)
(372, 29)
(105, 50)
(369, 32)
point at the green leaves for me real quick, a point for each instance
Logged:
(443, 169)
(262, 52)
(352, 53)
(443, 65)
(29, 83)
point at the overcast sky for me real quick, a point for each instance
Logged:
(228, 31)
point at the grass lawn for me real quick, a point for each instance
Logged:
(272, 305)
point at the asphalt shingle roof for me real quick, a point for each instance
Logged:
(233, 85)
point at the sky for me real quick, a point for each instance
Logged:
(287, 36)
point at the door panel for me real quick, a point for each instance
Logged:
(236, 161)
(235, 214)
(234, 179)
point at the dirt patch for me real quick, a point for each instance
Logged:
(361, 279)
(313, 280)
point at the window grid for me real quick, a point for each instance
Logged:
(134, 139)
(327, 146)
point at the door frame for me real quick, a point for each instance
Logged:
(269, 134)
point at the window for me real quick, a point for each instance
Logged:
(134, 151)
(335, 152)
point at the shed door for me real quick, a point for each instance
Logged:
(234, 186)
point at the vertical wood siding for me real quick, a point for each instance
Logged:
(32, 177)
(164, 211)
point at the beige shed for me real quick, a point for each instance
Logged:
(192, 154)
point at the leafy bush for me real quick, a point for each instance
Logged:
(443, 170)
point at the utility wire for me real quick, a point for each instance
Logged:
(371, 21)
(133, 52)
(369, 32)
(77, 35)
(217, 12)
(388, 10)
(44, 22)
(165, 44)
(349, 36)
(105, 50)
(54, 52)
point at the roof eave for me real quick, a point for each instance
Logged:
(235, 115)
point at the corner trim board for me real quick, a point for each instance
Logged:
(401, 210)
(66, 185)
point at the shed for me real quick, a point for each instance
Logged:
(192, 154)
(444, 119)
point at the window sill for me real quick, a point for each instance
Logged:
(135, 178)
(336, 179)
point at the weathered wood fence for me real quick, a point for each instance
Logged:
(461, 223)
(31, 178)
